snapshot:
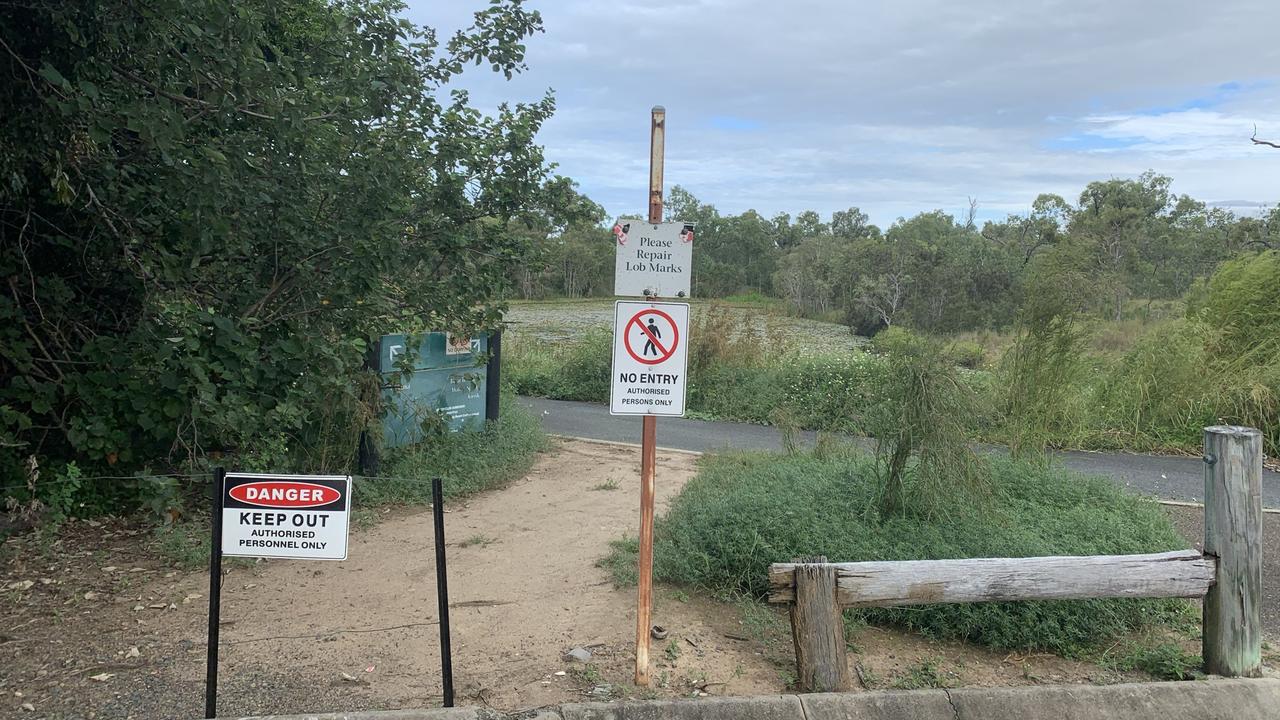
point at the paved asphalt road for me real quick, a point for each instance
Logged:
(1170, 478)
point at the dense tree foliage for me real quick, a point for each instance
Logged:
(208, 208)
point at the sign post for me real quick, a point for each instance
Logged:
(442, 592)
(649, 371)
(653, 260)
(215, 597)
(649, 429)
(304, 517)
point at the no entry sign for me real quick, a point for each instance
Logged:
(650, 349)
(286, 516)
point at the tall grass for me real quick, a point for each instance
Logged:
(1242, 301)
(742, 366)
(565, 371)
(1040, 380)
(1157, 394)
(1059, 380)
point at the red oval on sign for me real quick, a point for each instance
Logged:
(284, 494)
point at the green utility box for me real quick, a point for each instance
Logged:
(447, 381)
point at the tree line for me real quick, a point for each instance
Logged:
(1129, 238)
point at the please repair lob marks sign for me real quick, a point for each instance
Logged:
(286, 516)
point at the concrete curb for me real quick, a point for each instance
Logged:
(1213, 699)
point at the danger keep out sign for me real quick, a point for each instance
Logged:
(650, 350)
(286, 516)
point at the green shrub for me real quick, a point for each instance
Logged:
(1242, 302)
(1157, 395)
(720, 335)
(1041, 377)
(966, 354)
(818, 392)
(468, 462)
(736, 392)
(886, 340)
(745, 511)
(925, 414)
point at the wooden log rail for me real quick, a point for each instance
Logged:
(1228, 575)
(1178, 574)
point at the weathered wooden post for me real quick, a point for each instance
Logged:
(817, 629)
(1233, 534)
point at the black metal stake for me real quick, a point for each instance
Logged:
(442, 592)
(215, 596)
(493, 377)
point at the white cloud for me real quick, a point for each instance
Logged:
(900, 107)
(1192, 130)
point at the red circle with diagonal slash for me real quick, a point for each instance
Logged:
(635, 320)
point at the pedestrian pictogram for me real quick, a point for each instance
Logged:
(649, 358)
(655, 333)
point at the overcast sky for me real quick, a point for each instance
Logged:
(900, 107)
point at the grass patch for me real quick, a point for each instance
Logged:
(925, 674)
(620, 563)
(468, 462)
(577, 370)
(606, 485)
(1165, 661)
(672, 651)
(587, 674)
(185, 544)
(746, 510)
(479, 539)
(756, 299)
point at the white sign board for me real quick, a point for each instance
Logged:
(650, 353)
(652, 260)
(301, 517)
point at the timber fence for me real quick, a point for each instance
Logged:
(1227, 575)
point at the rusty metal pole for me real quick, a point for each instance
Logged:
(649, 433)
(657, 148)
